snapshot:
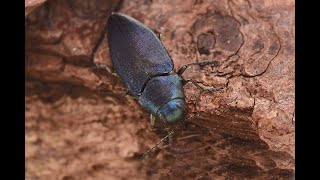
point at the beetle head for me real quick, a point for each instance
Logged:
(173, 112)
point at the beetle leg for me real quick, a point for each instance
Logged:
(149, 150)
(100, 66)
(158, 34)
(152, 120)
(185, 81)
(201, 63)
(128, 95)
(104, 67)
(170, 136)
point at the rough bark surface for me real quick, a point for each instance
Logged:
(79, 124)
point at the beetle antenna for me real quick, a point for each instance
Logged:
(149, 150)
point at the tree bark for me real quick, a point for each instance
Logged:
(79, 124)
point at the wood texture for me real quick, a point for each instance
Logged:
(79, 124)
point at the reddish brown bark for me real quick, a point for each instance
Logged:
(79, 125)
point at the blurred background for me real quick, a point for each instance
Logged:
(79, 124)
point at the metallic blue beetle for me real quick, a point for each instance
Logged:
(146, 68)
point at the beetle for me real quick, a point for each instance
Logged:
(147, 70)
